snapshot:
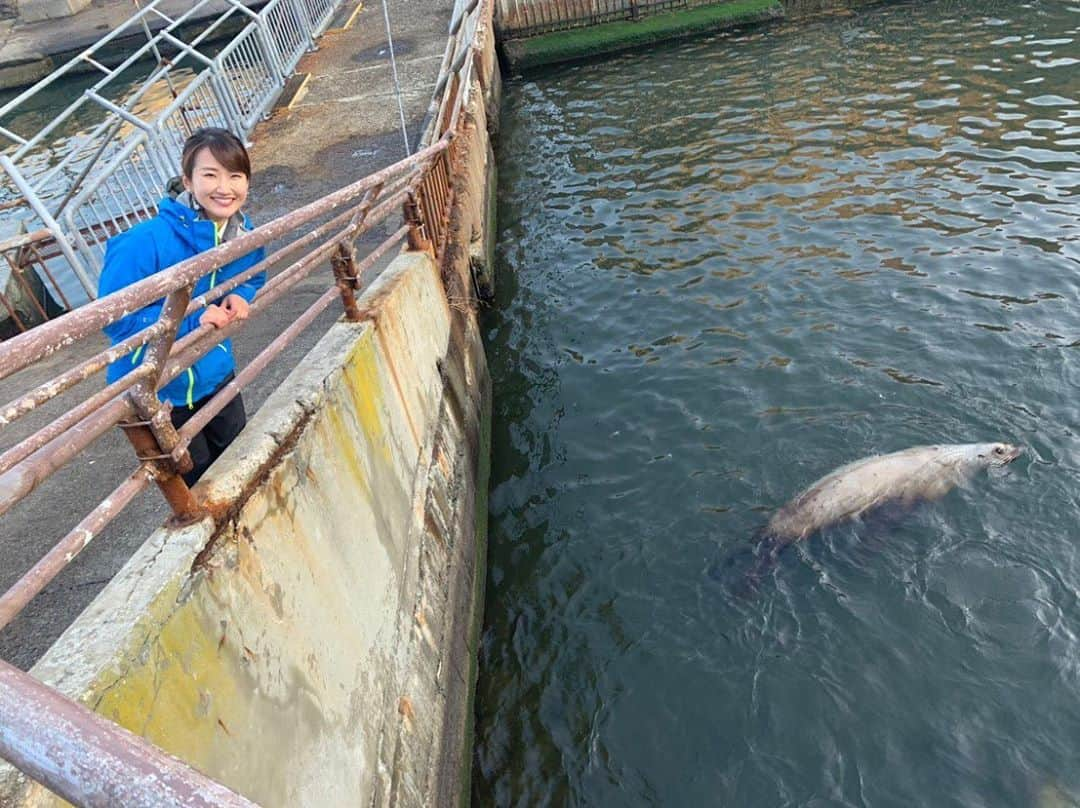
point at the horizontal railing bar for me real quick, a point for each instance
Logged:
(16, 409)
(227, 393)
(134, 120)
(95, 63)
(12, 136)
(24, 239)
(205, 338)
(21, 480)
(25, 349)
(195, 344)
(22, 450)
(52, 563)
(90, 761)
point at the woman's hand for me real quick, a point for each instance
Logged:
(215, 316)
(236, 307)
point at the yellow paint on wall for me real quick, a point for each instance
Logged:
(184, 691)
(363, 383)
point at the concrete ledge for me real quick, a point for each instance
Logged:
(25, 71)
(584, 43)
(39, 10)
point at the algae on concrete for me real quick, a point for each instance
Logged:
(582, 43)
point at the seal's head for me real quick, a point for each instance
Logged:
(997, 455)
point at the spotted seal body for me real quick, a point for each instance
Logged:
(913, 475)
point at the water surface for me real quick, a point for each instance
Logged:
(726, 267)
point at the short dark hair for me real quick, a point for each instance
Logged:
(226, 147)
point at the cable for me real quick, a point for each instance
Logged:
(397, 84)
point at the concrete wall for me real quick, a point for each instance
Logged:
(534, 33)
(39, 10)
(317, 647)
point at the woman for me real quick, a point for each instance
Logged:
(201, 211)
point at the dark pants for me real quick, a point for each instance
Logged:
(207, 446)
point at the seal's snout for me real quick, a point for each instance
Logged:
(1005, 453)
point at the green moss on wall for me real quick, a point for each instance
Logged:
(580, 43)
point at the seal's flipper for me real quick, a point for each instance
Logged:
(742, 569)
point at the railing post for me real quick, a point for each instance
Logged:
(302, 16)
(152, 434)
(150, 449)
(344, 263)
(418, 240)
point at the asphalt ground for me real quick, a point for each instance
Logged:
(345, 127)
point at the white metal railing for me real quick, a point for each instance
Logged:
(87, 187)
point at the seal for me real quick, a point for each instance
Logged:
(917, 474)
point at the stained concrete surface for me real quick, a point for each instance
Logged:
(344, 128)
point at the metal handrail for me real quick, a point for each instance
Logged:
(46, 735)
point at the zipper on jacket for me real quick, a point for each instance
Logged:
(191, 389)
(217, 241)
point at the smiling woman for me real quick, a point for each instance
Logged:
(201, 211)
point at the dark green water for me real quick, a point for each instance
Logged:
(727, 267)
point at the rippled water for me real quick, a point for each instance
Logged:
(727, 267)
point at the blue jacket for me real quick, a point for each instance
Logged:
(175, 234)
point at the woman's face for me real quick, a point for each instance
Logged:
(219, 191)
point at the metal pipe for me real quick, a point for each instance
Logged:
(52, 563)
(20, 451)
(20, 279)
(135, 121)
(12, 313)
(221, 289)
(17, 483)
(12, 136)
(172, 486)
(71, 191)
(90, 761)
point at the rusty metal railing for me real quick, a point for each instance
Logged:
(34, 720)
(29, 293)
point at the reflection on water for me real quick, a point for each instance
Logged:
(728, 267)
